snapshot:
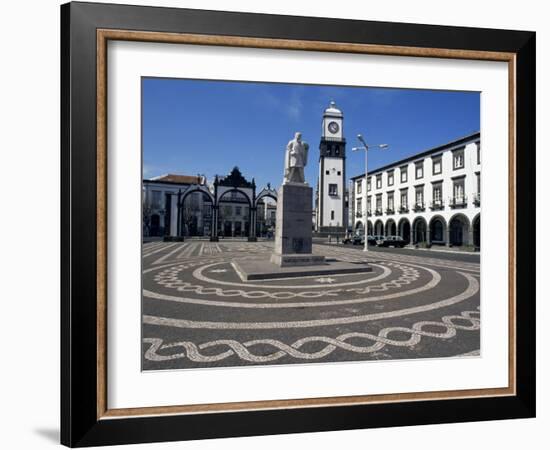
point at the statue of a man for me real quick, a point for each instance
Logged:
(295, 159)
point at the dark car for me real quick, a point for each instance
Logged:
(371, 240)
(393, 241)
(359, 239)
(379, 239)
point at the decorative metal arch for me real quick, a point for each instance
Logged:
(197, 188)
(266, 192)
(181, 201)
(248, 199)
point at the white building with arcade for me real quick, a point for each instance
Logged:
(430, 198)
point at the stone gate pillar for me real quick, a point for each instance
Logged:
(214, 227)
(252, 237)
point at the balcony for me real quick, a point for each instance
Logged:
(403, 209)
(378, 212)
(390, 211)
(477, 199)
(460, 201)
(359, 214)
(437, 205)
(419, 207)
(369, 213)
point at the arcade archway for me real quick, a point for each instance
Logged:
(476, 225)
(420, 228)
(378, 228)
(404, 228)
(459, 230)
(438, 230)
(391, 228)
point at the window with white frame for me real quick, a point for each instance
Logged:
(436, 165)
(390, 178)
(419, 197)
(359, 207)
(379, 202)
(419, 169)
(156, 199)
(437, 194)
(404, 199)
(379, 181)
(390, 201)
(368, 205)
(404, 174)
(458, 159)
(458, 191)
(368, 184)
(359, 186)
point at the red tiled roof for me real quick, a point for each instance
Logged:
(174, 178)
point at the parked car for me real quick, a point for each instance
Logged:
(393, 241)
(379, 239)
(359, 239)
(371, 240)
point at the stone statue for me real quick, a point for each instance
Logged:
(295, 160)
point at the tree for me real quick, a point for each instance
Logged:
(146, 212)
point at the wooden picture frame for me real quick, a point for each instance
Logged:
(85, 416)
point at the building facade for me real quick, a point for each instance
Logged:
(330, 207)
(156, 203)
(179, 206)
(431, 198)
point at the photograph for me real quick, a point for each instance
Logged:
(270, 224)
(287, 223)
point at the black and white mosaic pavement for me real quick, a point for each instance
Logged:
(197, 312)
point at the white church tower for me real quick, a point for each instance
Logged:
(331, 195)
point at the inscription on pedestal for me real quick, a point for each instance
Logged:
(293, 245)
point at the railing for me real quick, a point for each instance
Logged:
(403, 209)
(390, 211)
(419, 206)
(437, 205)
(378, 212)
(460, 201)
(369, 213)
(358, 214)
(477, 199)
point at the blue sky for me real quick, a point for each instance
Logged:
(207, 127)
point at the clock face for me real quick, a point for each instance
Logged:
(333, 127)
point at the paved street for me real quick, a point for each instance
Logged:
(198, 313)
(435, 252)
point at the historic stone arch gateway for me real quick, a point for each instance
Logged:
(231, 203)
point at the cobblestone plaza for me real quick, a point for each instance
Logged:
(198, 313)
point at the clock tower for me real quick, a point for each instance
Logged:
(331, 195)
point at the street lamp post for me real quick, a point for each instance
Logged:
(365, 147)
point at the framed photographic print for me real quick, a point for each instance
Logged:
(272, 224)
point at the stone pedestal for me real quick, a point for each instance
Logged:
(293, 245)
